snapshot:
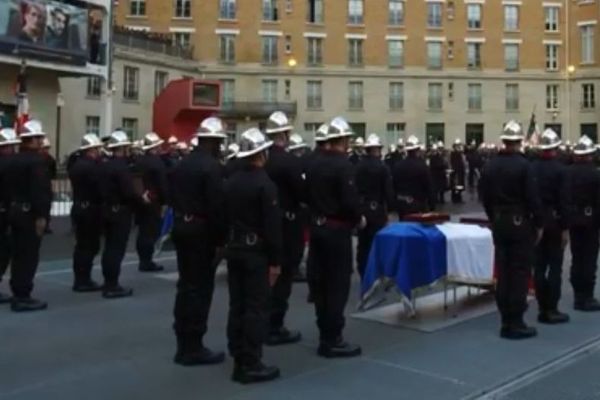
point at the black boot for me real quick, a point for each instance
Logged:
(116, 292)
(151, 267)
(517, 331)
(588, 305)
(26, 304)
(553, 317)
(203, 356)
(191, 352)
(254, 373)
(340, 349)
(4, 298)
(281, 336)
(86, 287)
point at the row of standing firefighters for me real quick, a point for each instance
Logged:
(257, 205)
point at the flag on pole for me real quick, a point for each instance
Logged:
(533, 131)
(22, 100)
(165, 230)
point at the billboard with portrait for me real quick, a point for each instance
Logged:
(45, 29)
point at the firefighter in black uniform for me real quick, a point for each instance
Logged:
(86, 214)
(285, 171)
(153, 174)
(335, 208)
(52, 171)
(253, 258)
(120, 202)
(438, 166)
(374, 185)
(357, 151)
(413, 186)
(553, 187)
(199, 229)
(322, 146)
(8, 147)
(585, 194)
(299, 149)
(511, 201)
(297, 146)
(457, 177)
(31, 197)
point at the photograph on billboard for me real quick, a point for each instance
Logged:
(44, 29)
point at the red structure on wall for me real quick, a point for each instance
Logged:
(183, 104)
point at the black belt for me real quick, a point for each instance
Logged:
(588, 211)
(333, 222)
(116, 207)
(373, 204)
(290, 215)
(189, 217)
(23, 206)
(86, 204)
(249, 239)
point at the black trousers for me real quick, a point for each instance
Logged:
(513, 241)
(473, 173)
(195, 263)
(547, 273)
(332, 268)
(584, 247)
(5, 242)
(293, 247)
(247, 324)
(88, 231)
(365, 240)
(149, 224)
(25, 255)
(117, 227)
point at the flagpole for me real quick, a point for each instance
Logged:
(108, 110)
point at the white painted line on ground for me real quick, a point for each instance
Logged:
(414, 371)
(505, 388)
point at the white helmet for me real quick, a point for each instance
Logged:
(549, 140)
(32, 128)
(173, 140)
(211, 128)
(512, 132)
(278, 122)
(253, 142)
(321, 133)
(8, 137)
(412, 143)
(296, 142)
(339, 128)
(584, 147)
(373, 141)
(118, 139)
(232, 150)
(151, 141)
(90, 141)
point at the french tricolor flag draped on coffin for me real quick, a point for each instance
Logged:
(415, 255)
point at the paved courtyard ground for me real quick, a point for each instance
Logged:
(88, 348)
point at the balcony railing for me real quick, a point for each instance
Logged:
(256, 109)
(156, 43)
